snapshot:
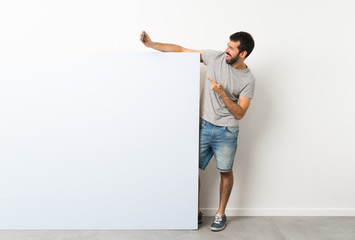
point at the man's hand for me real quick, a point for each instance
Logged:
(146, 41)
(238, 110)
(216, 87)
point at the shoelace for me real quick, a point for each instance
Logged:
(218, 218)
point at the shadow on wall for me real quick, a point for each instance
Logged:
(252, 127)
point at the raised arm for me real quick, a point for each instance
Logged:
(165, 47)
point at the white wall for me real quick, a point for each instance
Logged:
(295, 153)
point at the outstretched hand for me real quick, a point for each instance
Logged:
(146, 41)
(216, 87)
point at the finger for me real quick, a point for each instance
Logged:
(214, 82)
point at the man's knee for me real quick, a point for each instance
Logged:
(226, 174)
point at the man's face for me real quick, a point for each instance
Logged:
(232, 52)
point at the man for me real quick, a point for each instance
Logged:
(225, 100)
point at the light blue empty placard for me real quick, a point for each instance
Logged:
(99, 141)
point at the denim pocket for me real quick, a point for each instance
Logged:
(232, 130)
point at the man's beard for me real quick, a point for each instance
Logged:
(232, 60)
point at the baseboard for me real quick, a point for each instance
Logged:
(346, 212)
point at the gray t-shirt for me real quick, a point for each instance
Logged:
(235, 82)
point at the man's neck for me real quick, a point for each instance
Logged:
(240, 65)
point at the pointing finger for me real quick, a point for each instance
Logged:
(214, 82)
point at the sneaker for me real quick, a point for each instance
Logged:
(200, 218)
(219, 222)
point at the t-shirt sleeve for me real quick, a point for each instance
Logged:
(248, 90)
(209, 56)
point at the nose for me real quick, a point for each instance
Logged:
(227, 52)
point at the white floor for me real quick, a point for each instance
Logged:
(253, 228)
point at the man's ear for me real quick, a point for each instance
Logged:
(243, 54)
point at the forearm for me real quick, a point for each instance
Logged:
(237, 110)
(166, 47)
(234, 108)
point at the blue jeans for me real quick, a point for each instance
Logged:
(220, 142)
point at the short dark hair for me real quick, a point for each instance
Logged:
(246, 42)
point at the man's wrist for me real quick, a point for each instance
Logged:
(153, 45)
(222, 93)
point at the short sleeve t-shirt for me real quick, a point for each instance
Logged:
(235, 82)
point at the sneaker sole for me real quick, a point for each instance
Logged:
(218, 229)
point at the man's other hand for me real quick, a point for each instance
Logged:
(216, 87)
